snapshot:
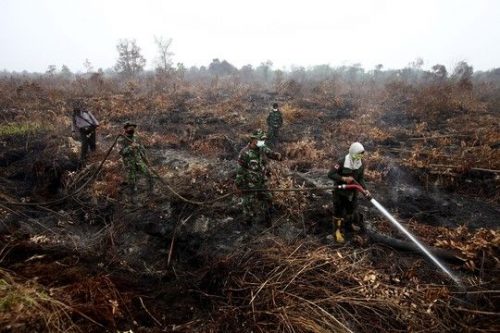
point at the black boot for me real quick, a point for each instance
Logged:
(348, 223)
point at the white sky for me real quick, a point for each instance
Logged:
(37, 33)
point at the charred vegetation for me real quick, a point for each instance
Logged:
(75, 255)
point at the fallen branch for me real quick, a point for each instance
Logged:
(458, 167)
(149, 313)
(398, 244)
(171, 250)
(442, 136)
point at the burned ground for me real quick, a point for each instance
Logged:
(77, 256)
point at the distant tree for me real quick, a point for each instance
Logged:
(264, 70)
(321, 72)
(354, 72)
(463, 74)
(164, 61)
(246, 73)
(377, 72)
(51, 70)
(130, 61)
(221, 68)
(417, 64)
(66, 72)
(297, 74)
(181, 70)
(439, 71)
(279, 78)
(88, 66)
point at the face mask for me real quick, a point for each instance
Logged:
(275, 109)
(261, 143)
(357, 157)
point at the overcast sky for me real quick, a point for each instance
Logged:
(37, 33)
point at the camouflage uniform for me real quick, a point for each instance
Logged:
(274, 123)
(252, 175)
(134, 159)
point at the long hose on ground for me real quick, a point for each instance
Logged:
(164, 182)
(78, 190)
(203, 203)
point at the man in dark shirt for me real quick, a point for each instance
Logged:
(348, 170)
(85, 123)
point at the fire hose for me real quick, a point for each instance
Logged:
(79, 189)
(356, 187)
(400, 227)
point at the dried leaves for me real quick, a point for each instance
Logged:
(480, 249)
(304, 287)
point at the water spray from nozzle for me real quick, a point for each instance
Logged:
(391, 218)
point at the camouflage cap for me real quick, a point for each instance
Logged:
(259, 135)
(128, 124)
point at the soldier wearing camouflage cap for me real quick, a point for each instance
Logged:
(251, 175)
(134, 159)
(274, 123)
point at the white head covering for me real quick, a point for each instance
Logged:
(349, 162)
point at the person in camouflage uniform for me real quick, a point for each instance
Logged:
(274, 123)
(251, 174)
(134, 159)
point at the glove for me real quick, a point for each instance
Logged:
(348, 179)
(368, 195)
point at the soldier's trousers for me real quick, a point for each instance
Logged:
(257, 206)
(134, 170)
(272, 134)
(88, 139)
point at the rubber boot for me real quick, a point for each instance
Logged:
(348, 220)
(338, 230)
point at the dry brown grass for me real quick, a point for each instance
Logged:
(30, 307)
(109, 183)
(304, 149)
(294, 203)
(291, 113)
(303, 287)
(212, 145)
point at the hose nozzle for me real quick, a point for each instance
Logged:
(356, 187)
